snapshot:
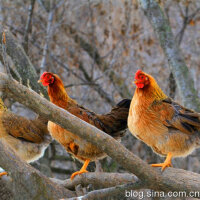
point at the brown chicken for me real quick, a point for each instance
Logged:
(167, 127)
(28, 138)
(113, 123)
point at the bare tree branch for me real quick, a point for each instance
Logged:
(28, 26)
(117, 191)
(53, 6)
(186, 21)
(27, 182)
(179, 38)
(30, 72)
(87, 80)
(48, 36)
(98, 180)
(78, 84)
(4, 56)
(177, 64)
(118, 81)
(97, 87)
(6, 193)
(22, 63)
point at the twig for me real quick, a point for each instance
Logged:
(117, 81)
(79, 84)
(97, 87)
(28, 26)
(49, 33)
(179, 36)
(186, 21)
(92, 37)
(48, 36)
(4, 55)
(87, 79)
(65, 66)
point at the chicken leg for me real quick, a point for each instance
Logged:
(167, 163)
(83, 169)
(3, 173)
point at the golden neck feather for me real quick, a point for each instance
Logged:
(152, 91)
(58, 94)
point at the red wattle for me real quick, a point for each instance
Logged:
(140, 85)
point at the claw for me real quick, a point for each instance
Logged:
(3, 173)
(77, 173)
(163, 165)
(166, 164)
(83, 169)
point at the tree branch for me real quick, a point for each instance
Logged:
(47, 39)
(28, 183)
(176, 61)
(147, 175)
(98, 180)
(117, 81)
(22, 63)
(28, 26)
(97, 87)
(87, 79)
(6, 193)
(117, 191)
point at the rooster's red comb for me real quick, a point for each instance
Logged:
(138, 73)
(44, 73)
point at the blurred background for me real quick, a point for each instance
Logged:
(96, 46)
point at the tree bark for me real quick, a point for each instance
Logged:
(98, 180)
(27, 182)
(22, 63)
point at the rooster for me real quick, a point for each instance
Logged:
(27, 138)
(167, 127)
(113, 123)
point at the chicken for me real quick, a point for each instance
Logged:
(167, 127)
(113, 123)
(28, 138)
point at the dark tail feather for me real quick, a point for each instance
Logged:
(125, 103)
(115, 122)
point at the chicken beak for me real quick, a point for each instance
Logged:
(39, 81)
(135, 81)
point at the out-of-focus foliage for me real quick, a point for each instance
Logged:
(96, 46)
